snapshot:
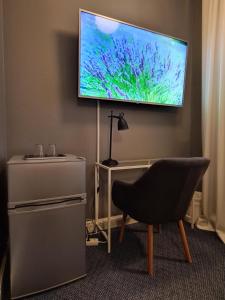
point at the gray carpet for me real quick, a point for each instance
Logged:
(122, 275)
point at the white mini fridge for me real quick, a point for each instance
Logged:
(46, 209)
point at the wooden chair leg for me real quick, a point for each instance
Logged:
(184, 241)
(122, 229)
(150, 249)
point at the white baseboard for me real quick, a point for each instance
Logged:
(103, 222)
(188, 219)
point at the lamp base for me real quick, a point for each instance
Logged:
(110, 162)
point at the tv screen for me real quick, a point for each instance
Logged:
(122, 62)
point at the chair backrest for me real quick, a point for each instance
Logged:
(164, 192)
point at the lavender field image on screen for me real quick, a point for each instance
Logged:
(123, 62)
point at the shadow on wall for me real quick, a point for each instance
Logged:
(4, 259)
(3, 211)
(68, 61)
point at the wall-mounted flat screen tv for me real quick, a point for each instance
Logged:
(122, 62)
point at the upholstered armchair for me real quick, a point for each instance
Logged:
(161, 195)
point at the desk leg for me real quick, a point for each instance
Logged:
(96, 194)
(109, 210)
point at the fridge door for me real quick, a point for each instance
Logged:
(31, 181)
(47, 246)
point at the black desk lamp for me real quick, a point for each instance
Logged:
(122, 125)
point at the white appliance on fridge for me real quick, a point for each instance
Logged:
(46, 209)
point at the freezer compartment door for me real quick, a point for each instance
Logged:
(47, 246)
(31, 181)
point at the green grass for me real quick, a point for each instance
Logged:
(141, 88)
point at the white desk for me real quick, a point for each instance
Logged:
(123, 165)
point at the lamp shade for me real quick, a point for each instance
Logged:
(122, 123)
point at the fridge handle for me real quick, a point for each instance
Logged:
(45, 201)
(47, 206)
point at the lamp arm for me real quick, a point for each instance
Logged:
(122, 124)
(110, 138)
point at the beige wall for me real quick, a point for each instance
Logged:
(41, 47)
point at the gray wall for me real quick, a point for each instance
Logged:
(3, 230)
(2, 95)
(41, 43)
(196, 78)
